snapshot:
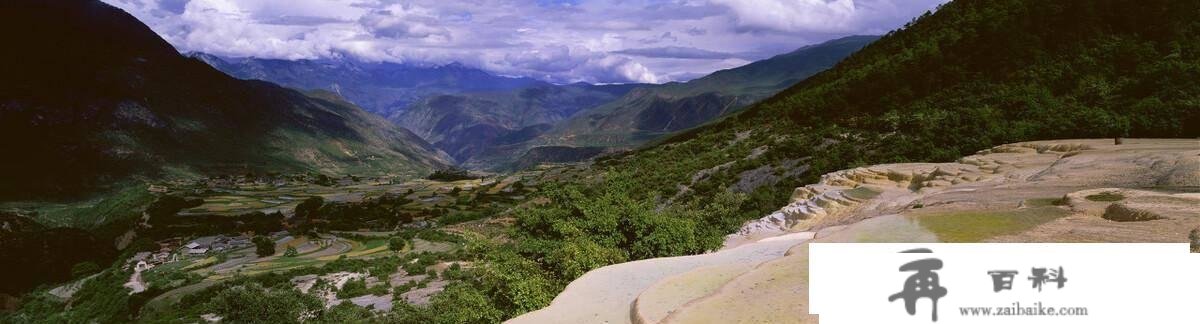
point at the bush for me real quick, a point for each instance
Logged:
(1106, 197)
(291, 252)
(353, 288)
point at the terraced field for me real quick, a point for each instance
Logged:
(251, 198)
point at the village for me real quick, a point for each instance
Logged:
(361, 261)
(185, 264)
(171, 250)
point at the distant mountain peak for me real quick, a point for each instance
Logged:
(384, 88)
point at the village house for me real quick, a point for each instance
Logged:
(218, 243)
(164, 257)
(143, 266)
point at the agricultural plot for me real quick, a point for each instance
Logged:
(242, 199)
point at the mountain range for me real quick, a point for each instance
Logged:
(383, 88)
(94, 98)
(651, 112)
(485, 121)
(465, 125)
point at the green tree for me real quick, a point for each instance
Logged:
(291, 252)
(309, 207)
(396, 243)
(306, 213)
(263, 246)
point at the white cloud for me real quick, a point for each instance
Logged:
(401, 21)
(824, 16)
(559, 41)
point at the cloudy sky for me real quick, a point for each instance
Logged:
(610, 41)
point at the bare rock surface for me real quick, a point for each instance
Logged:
(604, 295)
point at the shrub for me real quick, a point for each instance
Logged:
(1106, 196)
(353, 288)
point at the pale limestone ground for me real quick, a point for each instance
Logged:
(775, 291)
(659, 300)
(604, 295)
(889, 203)
(66, 291)
(135, 284)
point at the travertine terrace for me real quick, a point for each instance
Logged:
(1145, 190)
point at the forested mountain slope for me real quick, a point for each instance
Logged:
(652, 111)
(648, 112)
(974, 75)
(465, 125)
(91, 96)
